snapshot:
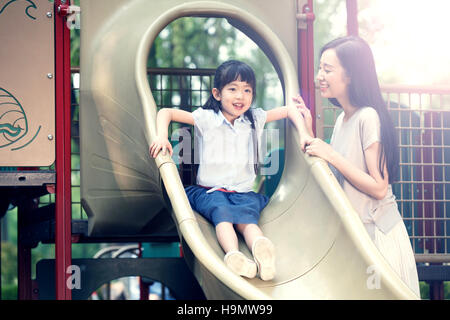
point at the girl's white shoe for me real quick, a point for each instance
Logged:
(264, 254)
(240, 264)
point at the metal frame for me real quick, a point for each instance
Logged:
(63, 215)
(305, 17)
(352, 17)
(27, 178)
(173, 272)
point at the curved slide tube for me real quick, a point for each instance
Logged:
(323, 249)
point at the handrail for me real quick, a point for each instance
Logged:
(106, 250)
(405, 88)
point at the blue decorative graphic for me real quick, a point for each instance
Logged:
(13, 121)
(32, 5)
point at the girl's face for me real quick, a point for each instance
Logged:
(236, 98)
(332, 79)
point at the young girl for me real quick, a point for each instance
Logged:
(227, 132)
(363, 153)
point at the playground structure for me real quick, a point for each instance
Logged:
(130, 197)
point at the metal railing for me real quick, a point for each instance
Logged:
(187, 89)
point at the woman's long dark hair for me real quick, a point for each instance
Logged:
(357, 60)
(227, 72)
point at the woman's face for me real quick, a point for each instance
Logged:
(331, 77)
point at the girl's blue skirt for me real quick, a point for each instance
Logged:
(219, 206)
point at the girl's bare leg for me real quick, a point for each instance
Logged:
(262, 249)
(227, 237)
(250, 232)
(235, 260)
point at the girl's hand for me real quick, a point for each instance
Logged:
(160, 144)
(306, 113)
(298, 99)
(319, 148)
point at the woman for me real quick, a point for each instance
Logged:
(363, 153)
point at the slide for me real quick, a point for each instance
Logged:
(323, 250)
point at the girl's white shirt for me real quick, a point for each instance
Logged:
(225, 152)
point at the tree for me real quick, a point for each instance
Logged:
(205, 43)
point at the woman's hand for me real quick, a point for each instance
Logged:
(305, 140)
(319, 148)
(306, 113)
(160, 144)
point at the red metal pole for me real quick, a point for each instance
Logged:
(306, 60)
(63, 214)
(352, 18)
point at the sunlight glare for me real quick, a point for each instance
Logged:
(410, 40)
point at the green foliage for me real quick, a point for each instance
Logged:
(330, 23)
(75, 47)
(425, 290)
(192, 43)
(447, 290)
(75, 43)
(207, 42)
(9, 292)
(9, 264)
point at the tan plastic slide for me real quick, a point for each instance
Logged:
(323, 249)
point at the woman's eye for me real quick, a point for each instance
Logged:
(324, 70)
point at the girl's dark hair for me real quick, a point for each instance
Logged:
(357, 60)
(227, 72)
